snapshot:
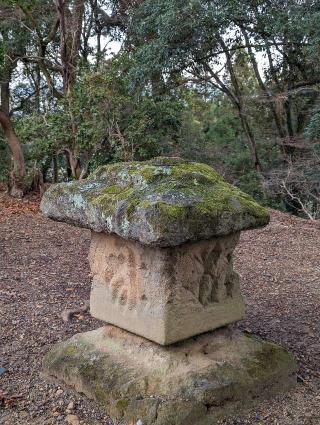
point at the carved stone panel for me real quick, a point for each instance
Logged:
(165, 294)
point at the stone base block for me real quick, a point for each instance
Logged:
(194, 382)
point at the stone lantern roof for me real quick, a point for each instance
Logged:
(162, 202)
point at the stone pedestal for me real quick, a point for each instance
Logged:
(165, 294)
(163, 236)
(194, 382)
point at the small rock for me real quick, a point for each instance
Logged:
(2, 370)
(60, 418)
(59, 392)
(72, 420)
(23, 414)
(139, 422)
(70, 405)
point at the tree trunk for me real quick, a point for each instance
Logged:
(74, 164)
(251, 139)
(55, 169)
(70, 43)
(68, 167)
(263, 87)
(70, 40)
(236, 97)
(18, 172)
(288, 109)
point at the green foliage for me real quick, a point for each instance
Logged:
(312, 130)
(185, 83)
(4, 160)
(114, 123)
(103, 121)
(42, 135)
(255, 185)
(209, 129)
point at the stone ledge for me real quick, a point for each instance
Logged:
(162, 202)
(193, 382)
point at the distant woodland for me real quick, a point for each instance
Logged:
(229, 83)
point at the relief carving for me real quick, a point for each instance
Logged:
(121, 276)
(217, 278)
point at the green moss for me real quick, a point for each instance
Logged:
(146, 171)
(107, 170)
(226, 198)
(271, 357)
(58, 354)
(171, 212)
(70, 350)
(131, 208)
(203, 172)
(163, 161)
(109, 198)
(101, 395)
(166, 215)
(122, 404)
(90, 372)
(164, 196)
(112, 190)
(73, 187)
(112, 195)
(215, 196)
(150, 173)
(159, 167)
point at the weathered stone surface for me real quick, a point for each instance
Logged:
(163, 202)
(189, 383)
(165, 294)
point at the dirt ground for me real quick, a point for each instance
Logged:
(44, 270)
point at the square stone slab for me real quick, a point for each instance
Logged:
(194, 382)
(163, 202)
(165, 294)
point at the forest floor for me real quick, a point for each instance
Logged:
(44, 270)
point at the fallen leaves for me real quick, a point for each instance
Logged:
(12, 206)
(9, 400)
(67, 314)
(44, 269)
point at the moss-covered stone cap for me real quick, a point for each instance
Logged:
(162, 202)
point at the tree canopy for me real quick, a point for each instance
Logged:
(234, 84)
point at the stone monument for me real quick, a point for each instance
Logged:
(161, 256)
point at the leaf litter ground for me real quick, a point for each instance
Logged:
(44, 270)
